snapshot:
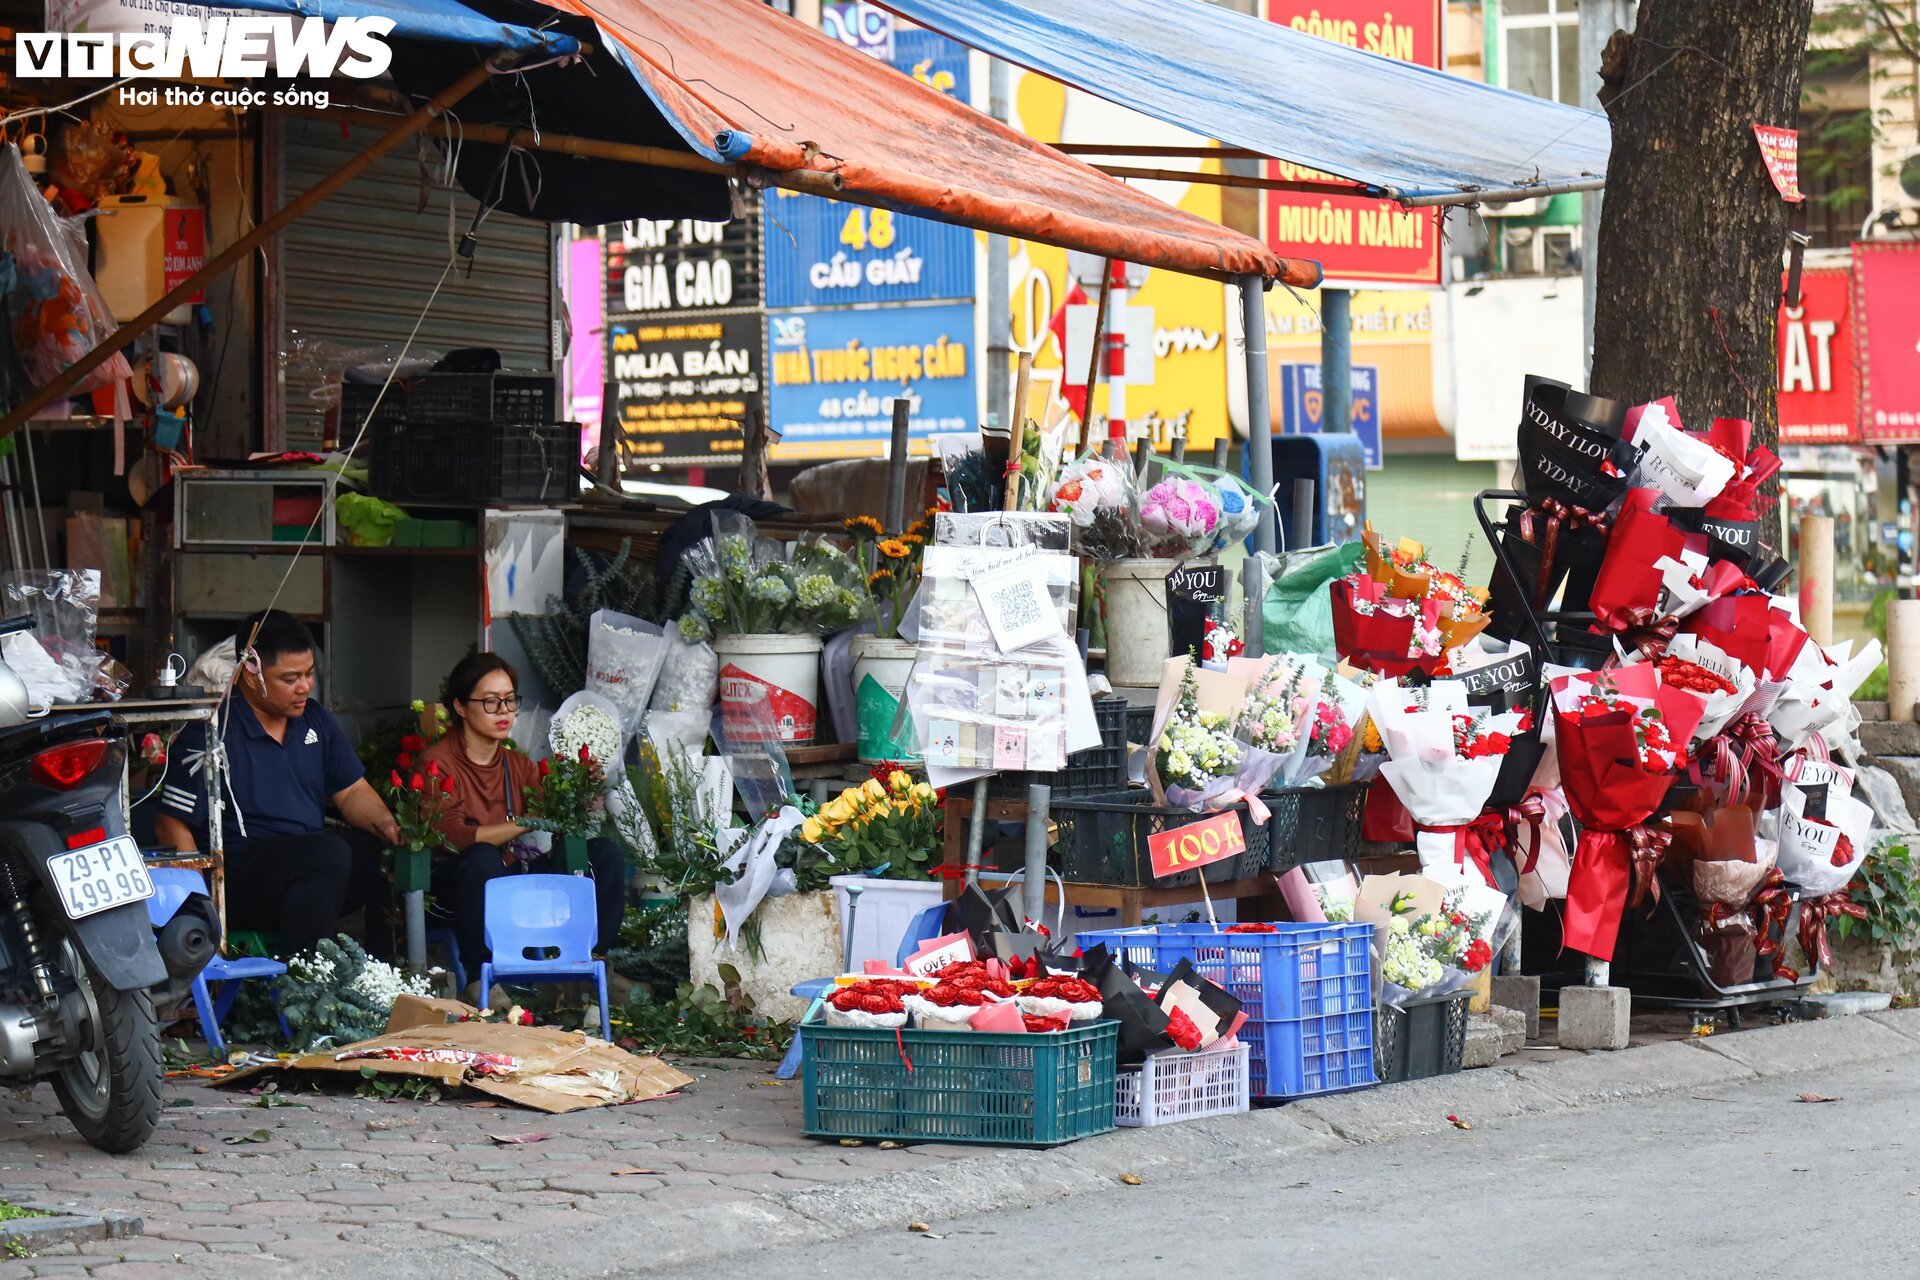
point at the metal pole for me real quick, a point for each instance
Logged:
(1253, 318)
(1039, 798)
(1220, 448)
(1302, 512)
(897, 469)
(1336, 361)
(999, 291)
(853, 910)
(1254, 628)
(976, 831)
(416, 907)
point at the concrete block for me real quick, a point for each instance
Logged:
(1884, 791)
(1890, 738)
(1594, 1017)
(1870, 710)
(1844, 1004)
(1905, 1021)
(1492, 1036)
(1519, 991)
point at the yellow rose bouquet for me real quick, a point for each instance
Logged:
(890, 828)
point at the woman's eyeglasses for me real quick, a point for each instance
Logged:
(494, 706)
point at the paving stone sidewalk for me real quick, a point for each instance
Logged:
(343, 1175)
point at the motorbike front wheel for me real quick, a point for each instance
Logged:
(110, 1090)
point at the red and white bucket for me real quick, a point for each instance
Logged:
(770, 679)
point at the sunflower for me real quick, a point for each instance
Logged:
(878, 578)
(862, 524)
(894, 549)
(913, 539)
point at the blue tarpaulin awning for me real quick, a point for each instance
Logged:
(443, 20)
(1413, 134)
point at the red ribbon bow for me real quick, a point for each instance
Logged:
(1533, 812)
(1557, 515)
(1646, 849)
(1649, 631)
(1814, 914)
(1480, 839)
(1747, 747)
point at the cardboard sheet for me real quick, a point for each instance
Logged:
(551, 1070)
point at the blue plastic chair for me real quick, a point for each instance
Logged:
(924, 927)
(172, 886)
(538, 914)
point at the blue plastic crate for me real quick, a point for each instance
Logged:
(1307, 991)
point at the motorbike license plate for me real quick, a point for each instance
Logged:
(101, 876)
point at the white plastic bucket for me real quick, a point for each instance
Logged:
(1136, 599)
(780, 671)
(885, 909)
(880, 670)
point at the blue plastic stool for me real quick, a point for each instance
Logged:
(541, 913)
(814, 990)
(172, 886)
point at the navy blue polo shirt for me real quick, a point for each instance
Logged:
(282, 788)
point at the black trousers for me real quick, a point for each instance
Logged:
(460, 891)
(299, 885)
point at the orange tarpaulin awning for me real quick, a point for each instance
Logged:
(743, 84)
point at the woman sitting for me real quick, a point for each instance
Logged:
(490, 782)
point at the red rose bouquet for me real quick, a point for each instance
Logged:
(1620, 737)
(873, 1004)
(1443, 757)
(1057, 996)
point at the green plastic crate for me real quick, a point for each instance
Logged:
(964, 1086)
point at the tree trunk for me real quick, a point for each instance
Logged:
(1691, 227)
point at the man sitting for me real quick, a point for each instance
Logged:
(287, 761)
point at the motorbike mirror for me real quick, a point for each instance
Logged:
(24, 622)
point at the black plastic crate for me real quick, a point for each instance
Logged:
(475, 462)
(1422, 1038)
(526, 399)
(1315, 824)
(1097, 771)
(1139, 723)
(1103, 840)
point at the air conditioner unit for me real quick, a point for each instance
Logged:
(1515, 208)
(1909, 171)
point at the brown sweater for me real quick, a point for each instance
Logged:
(479, 792)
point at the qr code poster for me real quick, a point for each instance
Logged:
(1019, 610)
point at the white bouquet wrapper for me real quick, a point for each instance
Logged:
(929, 1016)
(1048, 1007)
(1438, 788)
(1807, 847)
(1681, 597)
(624, 657)
(1688, 471)
(1819, 690)
(861, 1020)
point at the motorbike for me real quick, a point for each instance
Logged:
(82, 967)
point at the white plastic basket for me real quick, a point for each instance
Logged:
(1175, 1086)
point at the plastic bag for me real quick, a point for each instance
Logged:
(1099, 493)
(624, 657)
(54, 309)
(689, 678)
(1297, 610)
(65, 604)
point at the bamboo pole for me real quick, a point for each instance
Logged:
(62, 385)
(1302, 185)
(1018, 436)
(1099, 340)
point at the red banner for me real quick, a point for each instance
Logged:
(1780, 148)
(1886, 280)
(186, 248)
(1213, 839)
(1357, 240)
(1819, 386)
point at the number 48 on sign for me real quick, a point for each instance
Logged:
(1197, 844)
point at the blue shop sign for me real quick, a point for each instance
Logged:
(822, 253)
(836, 375)
(1304, 410)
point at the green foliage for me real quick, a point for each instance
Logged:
(556, 643)
(652, 948)
(368, 519)
(338, 991)
(702, 1022)
(567, 801)
(1854, 46)
(1874, 687)
(9, 1211)
(1888, 886)
(686, 856)
(379, 1088)
(381, 748)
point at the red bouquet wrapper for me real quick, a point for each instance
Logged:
(1612, 794)
(1385, 820)
(1628, 588)
(1377, 641)
(1738, 626)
